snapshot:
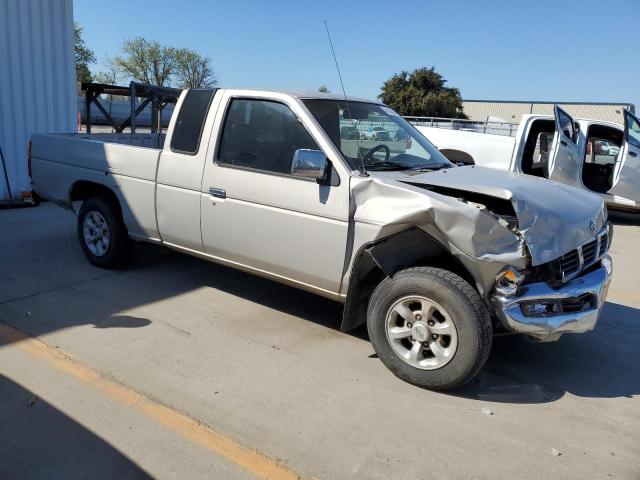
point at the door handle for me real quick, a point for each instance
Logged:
(563, 143)
(633, 154)
(218, 192)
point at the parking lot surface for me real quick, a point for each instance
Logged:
(178, 368)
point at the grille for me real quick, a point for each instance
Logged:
(589, 252)
(584, 256)
(569, 263)
(604, 242)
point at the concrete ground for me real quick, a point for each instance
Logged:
(178, 368)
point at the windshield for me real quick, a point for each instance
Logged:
(375, 135)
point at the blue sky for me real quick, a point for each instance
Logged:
(502, 50)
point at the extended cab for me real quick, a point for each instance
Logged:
(434, 258)
(593, 155)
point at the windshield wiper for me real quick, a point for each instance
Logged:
(431, 167)
(388, 166)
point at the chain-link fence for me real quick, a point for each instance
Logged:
(493, 128)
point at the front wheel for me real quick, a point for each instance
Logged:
(429, 327)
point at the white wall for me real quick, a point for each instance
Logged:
(37, 80)
(512, 111)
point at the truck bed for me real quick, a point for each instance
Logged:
(60, 161)
(489, 127)
(148, 140)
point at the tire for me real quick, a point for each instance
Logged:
(437, 302)
(103, 221)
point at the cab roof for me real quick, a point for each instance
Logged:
(306, 95)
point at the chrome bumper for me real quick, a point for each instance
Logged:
(573, 308)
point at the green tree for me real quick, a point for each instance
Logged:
(84, 56)
(111, 73)
(422, 93)
(110, 76)
(147, 61)
(324, 89)
(193, 70)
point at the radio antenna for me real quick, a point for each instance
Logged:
(363, 171)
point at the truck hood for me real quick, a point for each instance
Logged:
(552, 218)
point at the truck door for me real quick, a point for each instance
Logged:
(564, 161)
(255, 214)
(626, 177)
(179, 176)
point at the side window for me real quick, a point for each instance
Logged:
(190, 121)
(633, 131)
(262, 135)
(566, 125)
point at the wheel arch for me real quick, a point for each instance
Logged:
(83, 189)
(383, 258)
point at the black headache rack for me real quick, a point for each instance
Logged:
(157, 97)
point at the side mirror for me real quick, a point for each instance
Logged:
(311, 164)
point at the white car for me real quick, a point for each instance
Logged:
(599, 156)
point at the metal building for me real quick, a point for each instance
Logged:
(37, 82)
(512, 111)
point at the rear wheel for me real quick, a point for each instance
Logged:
(102, 233)
(429, 327)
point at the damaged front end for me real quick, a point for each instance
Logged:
(544, 313)
(537, 250)
(564, 295)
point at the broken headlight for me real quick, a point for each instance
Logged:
(508, 281)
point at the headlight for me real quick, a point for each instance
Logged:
(508, 281)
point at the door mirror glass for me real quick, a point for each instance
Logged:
(310, 164)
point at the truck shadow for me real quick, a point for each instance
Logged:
(39, 441)
(50, 287)
(600, 364)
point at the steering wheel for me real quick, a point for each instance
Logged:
(382, 146)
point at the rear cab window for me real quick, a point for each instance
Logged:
(190, 122)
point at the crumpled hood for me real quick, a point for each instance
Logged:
(553, 218)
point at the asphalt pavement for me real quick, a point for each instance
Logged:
(179, 368)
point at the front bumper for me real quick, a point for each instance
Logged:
(573, 308)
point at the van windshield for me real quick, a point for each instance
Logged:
(375, 136)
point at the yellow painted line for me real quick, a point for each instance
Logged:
(254, 462)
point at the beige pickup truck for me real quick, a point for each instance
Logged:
(434, 258)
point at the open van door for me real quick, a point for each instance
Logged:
(626, 176)
(564, 161)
